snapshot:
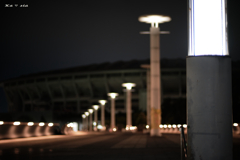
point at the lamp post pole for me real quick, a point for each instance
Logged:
(87, 114)
(155, 76)
(90, 119)
(209, 86)
(128, 104)
(95, 117)
(113, 121)
(83, 122)
(103, 102)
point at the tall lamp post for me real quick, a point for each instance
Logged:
(155, 76)
(103, 102)
(113, 121)
(83, 122)
(90, 119)
(209, 87)
(128, 104)
(95, 117)
(87, 124)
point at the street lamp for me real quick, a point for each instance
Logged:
(90, 118)
(209, 88)
(87, 114)
(103, 102)
(95, 117)
(113, 96)
(128, 104)
(155, 76)
(84, 121)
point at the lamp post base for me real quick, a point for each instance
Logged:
(155, 132)
(209, 107)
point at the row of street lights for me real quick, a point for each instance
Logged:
(112, 96)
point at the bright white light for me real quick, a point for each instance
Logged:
(154, 19)
(102, 102)
(184, 126)
(70, 125)
(174, 126)
(95, 107)
(207, 28)
(127, 128)
(161, 126)
(94, 123)
(1, 122)
(30, 124)
(41, 124)
(16, 123)
(99, 127)
(113, 95)
(90, 110)
(235, 124)
(179, 125)
(165, 126)
(128, 85)
(169, 126)
(83, 116)
(147, 126)
(50, 124)
(133, 128)
(86, 113)
(114, 129)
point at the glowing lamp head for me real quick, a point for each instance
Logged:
(16, 123)
(165, 126)
(174, 126)
(83, 116)
(147, 126)
(86, 113)
(102, 102)
(184, 126)
(30, 124)
(95, 107)
(128, 85)
(50, 124)
(94, 123)
(113, 95)
(154, 19)
(41, 124)
(235, 124)
(90, 111)
(114, 129)
(207, 28)
(161, 126)
(1, 122)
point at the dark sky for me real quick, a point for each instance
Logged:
(54, 35)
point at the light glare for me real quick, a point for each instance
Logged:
(1, 122)
(102, 102)
(90, 110)
(95, 107)
(113, 95)
(128, 85)
(207, 24)
(235, 124)
(30, 124)
(41, 124)
(50, 124)
(16, 123)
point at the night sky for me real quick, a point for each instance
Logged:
(62, 34)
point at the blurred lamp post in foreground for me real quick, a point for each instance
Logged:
(83, 122)
(113, 96)
(103, 102)
(128, 104)
(87, 124)
(209, 88)
(155, 76)
(95, 117)
(90, 119)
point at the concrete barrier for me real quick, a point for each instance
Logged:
(26, 129)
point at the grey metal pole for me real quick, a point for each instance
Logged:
(209, 107)
(103, 115)
(129, 108)
(112, 113)
(90, 121)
